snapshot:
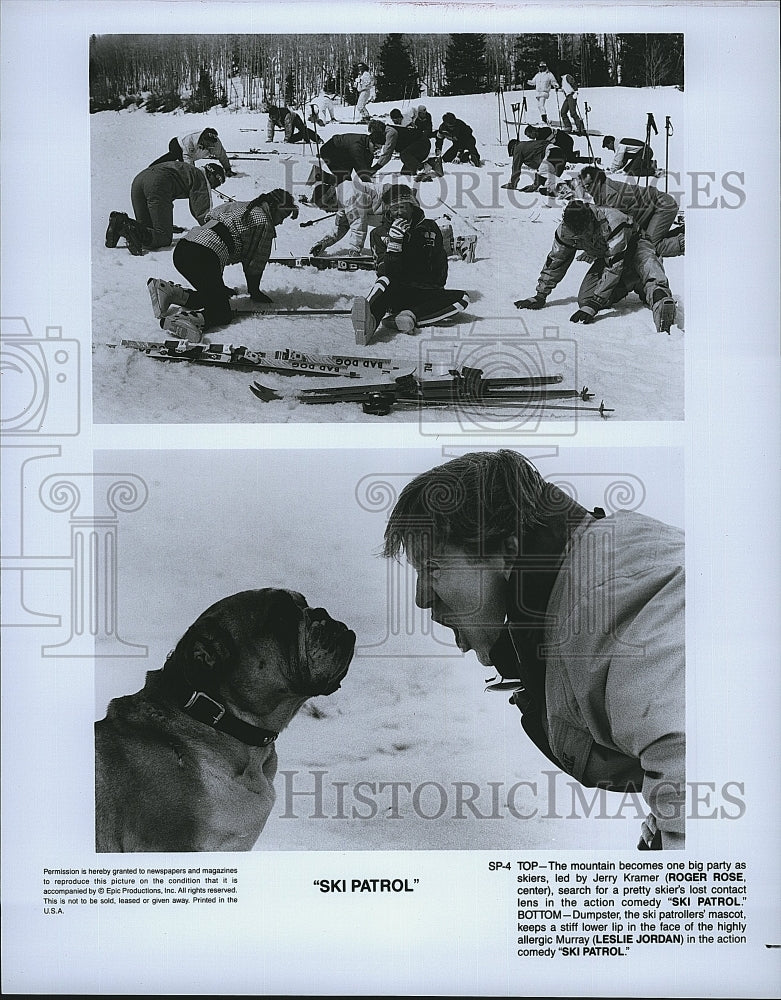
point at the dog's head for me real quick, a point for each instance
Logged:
(262, 650)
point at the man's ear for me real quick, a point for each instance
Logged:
(510, 554)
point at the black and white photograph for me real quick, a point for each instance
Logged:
(275, 214)
(417, 730)
(390, 498)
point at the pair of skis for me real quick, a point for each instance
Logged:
(464, 387)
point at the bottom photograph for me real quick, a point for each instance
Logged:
(413, 649)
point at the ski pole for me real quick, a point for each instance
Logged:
(558, 106)
(311, 222)
(668, 131)
(225, 197)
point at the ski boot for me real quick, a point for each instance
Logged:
(364, 323)
(116, 223)
(663, 308)
(165, 294)
(185, 325)
(403, 321)
(132, 233)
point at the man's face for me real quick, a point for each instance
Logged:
(466, 593)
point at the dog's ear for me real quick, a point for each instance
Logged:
(205, 652)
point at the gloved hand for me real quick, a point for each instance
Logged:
(535, 302)
(258, 296)
(581, 316)
(316, 249)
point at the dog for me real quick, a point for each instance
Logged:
(188, 762)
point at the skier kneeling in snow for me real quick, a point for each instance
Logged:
(653, 210)
(411, 266)
(239, 232)
(546, 150)
(356, 201)
(153, 193)
(624, 261)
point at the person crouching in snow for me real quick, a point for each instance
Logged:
(411, 266)
(546, 151)
(153, 193)
(357, 201)
(194, 146)
(653, 210)
(624, 261)
(289, 121)
(238, 232)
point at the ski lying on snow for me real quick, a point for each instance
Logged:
(466, 385)
(325, 263)
(283, 361)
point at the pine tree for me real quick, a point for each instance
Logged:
(466, 69)
(396, 77)
(530, 50)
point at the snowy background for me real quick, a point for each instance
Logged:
(620, 357)
(412, 708)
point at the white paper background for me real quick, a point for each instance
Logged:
(456, 934)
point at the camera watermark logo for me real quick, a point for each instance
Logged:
(41, 413)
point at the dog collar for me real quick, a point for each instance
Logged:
(203, 708)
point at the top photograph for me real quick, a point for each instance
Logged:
(485, 229)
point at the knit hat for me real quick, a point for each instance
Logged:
(284, 201)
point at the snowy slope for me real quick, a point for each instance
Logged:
(620, 357)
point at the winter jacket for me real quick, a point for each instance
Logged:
(168, 182)
(357, 201)
(195, 147)
(604, 695)
(283, 118)
(238, 237)
(543, 82)
(569, 85)
(624, 152)
(635, 200)
(364, 82)
(411, 253)
(609, 239)
(347, 151)
(397, 139)
(458, 132)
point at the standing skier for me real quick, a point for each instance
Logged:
(411, 266)
(194, 146)
(624, 261)
(153, 193)
(364, 84)
(570, 105)
(543, 81)
(239, 232)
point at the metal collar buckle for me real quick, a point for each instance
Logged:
(195, 700)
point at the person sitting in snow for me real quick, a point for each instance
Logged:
(238, 232)
(290, 122)
(195, 146)
(624, 261)
(463, 145)
(546, 150)
(411, 265)
(631, 156)
(653, 210)
(153, 193)
(357, 201)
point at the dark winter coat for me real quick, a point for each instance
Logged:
(345, 152)
(458, 132)
(397, 139)
(410, 253)
(154, 191)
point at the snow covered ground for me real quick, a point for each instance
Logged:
(621, 357)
